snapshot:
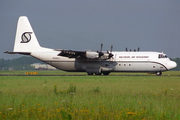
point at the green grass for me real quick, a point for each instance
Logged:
(90, 97)
(58, 72)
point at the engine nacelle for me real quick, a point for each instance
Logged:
(92, 55)
(105, 56)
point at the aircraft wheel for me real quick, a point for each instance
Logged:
(106, 73)
(90, 73)
(159, 73)
(98, 73)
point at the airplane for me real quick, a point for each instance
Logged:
(91, 62)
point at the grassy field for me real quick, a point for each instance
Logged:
(81, 97)
(62, 73)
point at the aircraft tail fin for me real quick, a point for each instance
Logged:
(25, 40)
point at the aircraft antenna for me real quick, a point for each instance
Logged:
(138, 49)
(126, 49)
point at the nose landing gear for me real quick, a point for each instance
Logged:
(159, 73)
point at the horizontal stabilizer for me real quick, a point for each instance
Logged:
(23, 53)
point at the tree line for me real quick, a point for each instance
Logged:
(24, 63)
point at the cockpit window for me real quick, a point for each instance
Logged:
(162, 56)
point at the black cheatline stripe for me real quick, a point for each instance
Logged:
(145, 62)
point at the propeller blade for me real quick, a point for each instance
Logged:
(101, 47)
(110, 54)
(111, 48)
(101, 53)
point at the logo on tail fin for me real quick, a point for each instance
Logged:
(26, 37)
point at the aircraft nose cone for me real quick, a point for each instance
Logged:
(171, 65)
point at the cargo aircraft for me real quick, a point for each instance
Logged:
(92, 62)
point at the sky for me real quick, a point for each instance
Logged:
(152, 25)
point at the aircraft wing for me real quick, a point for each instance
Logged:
(72, 54)
(85, 54)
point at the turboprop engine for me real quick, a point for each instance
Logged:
(99, 55)
(92, 55)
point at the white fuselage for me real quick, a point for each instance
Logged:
(121, 62)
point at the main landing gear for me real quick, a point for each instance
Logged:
(104, 73)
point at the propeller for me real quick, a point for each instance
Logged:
(110, 54)
(101, 53)
(107, 55)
